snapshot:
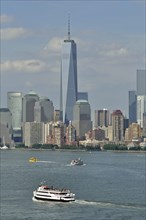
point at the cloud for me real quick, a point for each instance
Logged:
(5, 18)
(29, 66)
(120, 52)
(13, 33)
(54, 45)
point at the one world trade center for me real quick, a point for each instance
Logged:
(68, 79)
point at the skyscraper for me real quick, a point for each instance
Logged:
(28, 106)
(132, 106)
(118, 126)
(82, 118)
(68, 80)
(14, 103)
(101, 118)
(43, 110)
(141, 82)
(141, 96)
(141, 109)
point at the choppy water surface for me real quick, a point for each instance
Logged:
(110, 186)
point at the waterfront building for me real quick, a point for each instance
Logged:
(68, 79)
(28, 102)
(101, 118)
(133, 132)
(109, 133)
(141, 109)
(48, 133)
(43, 110)
(82, 118)
(117, 126)
(132, 106)
(5, 125)
(144, 126)
(33, 133)
(70, 134)
(58, 133)
(14, 104)
(141, 82)
(98, 134)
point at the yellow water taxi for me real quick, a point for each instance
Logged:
(33, 159)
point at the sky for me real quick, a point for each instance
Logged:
(110, 38)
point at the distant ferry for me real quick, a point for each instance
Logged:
(77, 162)
(46, 193)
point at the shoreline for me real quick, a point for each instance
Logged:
(79, 150)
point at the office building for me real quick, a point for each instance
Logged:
(141, 82)
(5, 125)
(144, 125)
(133, 132)
(82, 118)
(43, 110)
(98, 134)
(101, 118)
(14, 104)
(117, 126)
(70, 134)
(58, 133)
(132, 107)
(28, 102)
(141, 109)
(33, 133)
(57, 115)
(68, 79)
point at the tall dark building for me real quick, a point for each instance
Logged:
(28, 106)
(132, 106)
(68, 81)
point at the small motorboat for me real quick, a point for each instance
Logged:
(77, 162)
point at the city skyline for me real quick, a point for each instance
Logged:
(110, 48)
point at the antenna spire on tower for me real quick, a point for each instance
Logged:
(68, 26)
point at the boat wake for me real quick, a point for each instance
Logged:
(45, 161)
(109, 205)
(70, 165)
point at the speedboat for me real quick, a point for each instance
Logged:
(77, 162)
(46, 193)
(33, 159)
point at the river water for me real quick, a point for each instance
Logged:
(109, 186)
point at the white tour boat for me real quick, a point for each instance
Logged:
(77, 162)
(44, 192)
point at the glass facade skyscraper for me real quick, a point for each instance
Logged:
(132, 106)
(141, 82)
(141, 96)
(68, 81)
(14, 103)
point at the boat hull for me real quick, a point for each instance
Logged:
(48, 197)
(53, 200)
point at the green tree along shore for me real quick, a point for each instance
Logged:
(82, 147)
